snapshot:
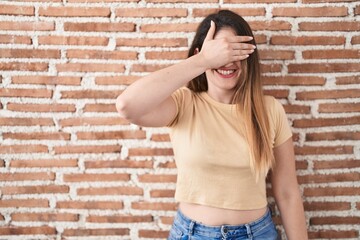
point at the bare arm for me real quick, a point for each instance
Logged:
(147, 102)
(286, 192)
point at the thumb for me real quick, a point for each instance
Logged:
(211, 32)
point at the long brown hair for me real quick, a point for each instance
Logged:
(249, 95)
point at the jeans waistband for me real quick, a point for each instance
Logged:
(193, 227)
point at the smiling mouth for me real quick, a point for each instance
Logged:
(226, 73)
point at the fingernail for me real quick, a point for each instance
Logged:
(254, 46)
(251, 38)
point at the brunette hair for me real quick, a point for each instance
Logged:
(249, 95)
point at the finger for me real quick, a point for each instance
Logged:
(239, 58)
(211, 32)
(239, 39)
(242, 46)
(242, 52)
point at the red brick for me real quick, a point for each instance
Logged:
(152, 42)
(348, 80)
(272, 25)
(339, 107)
(33, 93)
(334, 220)
(259, 1)
(331, 191)
(151, 152)
(44, 217)
(130, 134)
(16, 10)
(16, 230)
(29, 53)
(357, 10)
(90, 94)
(73, 40)
(2, 163)
(161, 137)
(46, 80)
(355, 40)
(324, 122)
(261, 39)
(96, 177)
(326, 1)
(95, 54)
(100, 108)
(169, 164)
(90, 67)
(330, 26)
(99, 27)
(90, 121)
(96, 232)
(154, 206)
(160, 178)
(327, 178)
(333, 234)
(11, 39)
(43, 176)
(24, 203)
(110, 191)
(151, 12)
(169, 27)
(293, 80)
(147, 67)
(306, 40)
(26, 122)
(27, 26)
(300, 109)
(327, 206)
(270, 68)
(348, 164)
(162, 193)
(331, 54)
(74, 11)
(328, 94)
(276, 55)
(277, 93)
(182, 1)
(119, 219)
(310, 150)
(44, 189)
(203, 12)
(70, 149)
(41, 107)
(118, 80)
(153, 233)
(173, 55)
(119, 164)
(104, 205)
(321, 67)
(332, 136)
(24, 66)
(12, 149)
(97, 1)
(310, 12)
(44, 163)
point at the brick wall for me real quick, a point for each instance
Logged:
(70, 168)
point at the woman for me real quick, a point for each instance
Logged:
(226, 136)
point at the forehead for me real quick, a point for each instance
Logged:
(225, 32)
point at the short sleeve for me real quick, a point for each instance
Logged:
(281, 124)
(181, 97)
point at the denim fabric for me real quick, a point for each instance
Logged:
(184, 228)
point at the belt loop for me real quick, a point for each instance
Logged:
(191, 228)
(248, 230)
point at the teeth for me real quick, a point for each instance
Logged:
(225, 72)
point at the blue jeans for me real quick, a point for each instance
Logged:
(184, 228)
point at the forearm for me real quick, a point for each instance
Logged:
(148, 92)
(293, 217)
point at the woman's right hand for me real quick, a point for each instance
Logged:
(219, 52)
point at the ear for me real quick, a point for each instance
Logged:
(196, 51)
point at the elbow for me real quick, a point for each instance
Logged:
(122, 107)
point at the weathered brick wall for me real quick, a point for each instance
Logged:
(70, 168)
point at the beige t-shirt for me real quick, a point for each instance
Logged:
(212, 155)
